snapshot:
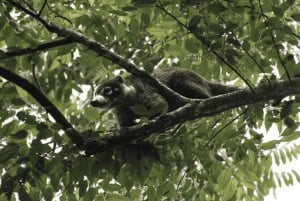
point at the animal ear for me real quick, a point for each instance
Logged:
(119, 79)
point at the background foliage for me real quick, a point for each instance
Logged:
(223, 157)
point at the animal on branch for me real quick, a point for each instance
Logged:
(131, 98)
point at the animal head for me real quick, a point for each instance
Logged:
(111, 93)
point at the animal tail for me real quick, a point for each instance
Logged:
(218, 88)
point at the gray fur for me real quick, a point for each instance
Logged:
(121, 95)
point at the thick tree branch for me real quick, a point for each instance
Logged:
(38, 48)
(72, 133)
(195, 110)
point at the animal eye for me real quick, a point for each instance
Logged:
(107, 91)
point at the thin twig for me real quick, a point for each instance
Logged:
(43, 7)
(246, 51)
(31, 12)
(225, 126)
(208, 45)
(178, 185)
(58, 15)
(273, 40)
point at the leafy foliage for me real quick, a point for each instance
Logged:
(216, 158)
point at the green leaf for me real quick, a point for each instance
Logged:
(230, 189)
(193, 45)
(113, 187)
(90, 194)
(194, 21)
(8, 152)
(158, 108)
(276, 157)
(296, 17)
(116, 197)
(120, 30)
(286, 109)
(23, 94)
(6, 129)
(91, 2)
(217, 28)
(287, 132)
(82, 188)
(277, 11)
(48, 194)
(151, 193)
(7, 185)
(44, 134)
(76, 14)
(282, 156)
(140, 110)
(224, 178)
(158, 32)
(21, 134)
(119, 12)
(287, 4)
(21, 115)
(66, 49)
(270, 145)
(291, 137)
(255, 34)
(234, 42)
(23, 195)
(91, 113)
(216, 8)
(296, 175)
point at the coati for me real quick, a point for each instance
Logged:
(121, 95)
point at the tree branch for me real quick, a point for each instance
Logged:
(43, 7)
(251, 57)
(72, 133)
(207, 44)
(195, 110)
(265, 17)
(106, 53)
(38, 48)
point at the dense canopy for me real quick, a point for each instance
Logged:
(55, 146)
